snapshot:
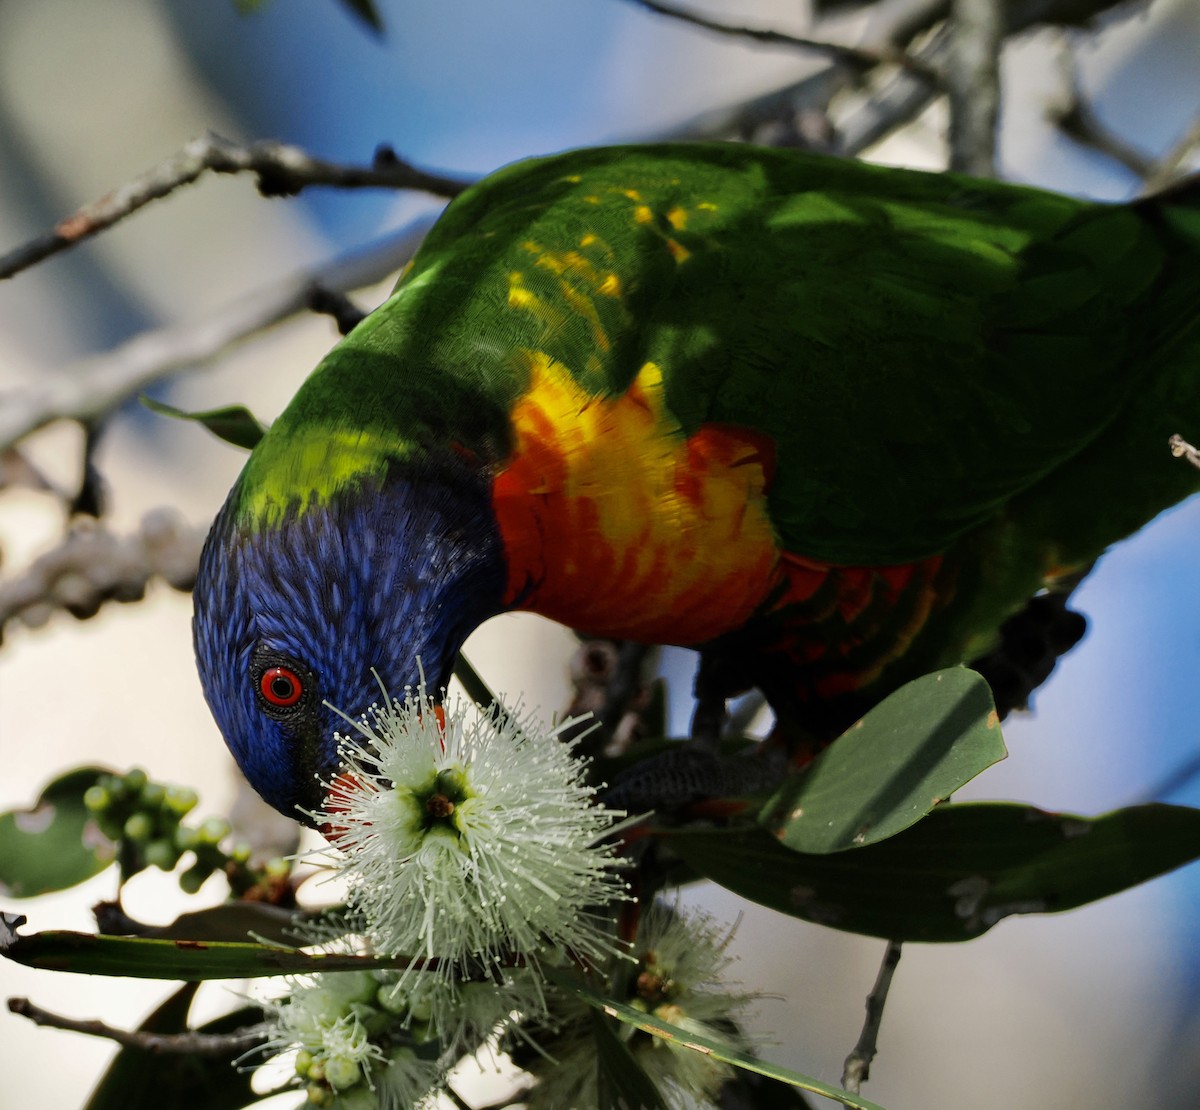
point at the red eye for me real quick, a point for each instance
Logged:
(281, 687)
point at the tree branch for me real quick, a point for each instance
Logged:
(98, 385)
(1074, 117)
(191, 1043)
(857, 1068)
(973, 84)
(281, 170)
(862, 58)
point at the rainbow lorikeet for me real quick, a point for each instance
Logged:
(830, 422)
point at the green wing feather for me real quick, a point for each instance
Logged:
(920, 348)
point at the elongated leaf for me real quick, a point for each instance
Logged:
(884, 774)
(622, 1082)
(56, 844)
(709, 1046)
(190, 960)
(234, 424)
(955, 874)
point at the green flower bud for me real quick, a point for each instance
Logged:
(97, 798)
(161, 853)
(341, 1072)
(180, 800)
(135, 780)
(193, 879)
(214, 830)
(139, 828)
(186, 838)
(153, 795)
(304, 1061)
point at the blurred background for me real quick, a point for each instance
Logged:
(1095, 1008)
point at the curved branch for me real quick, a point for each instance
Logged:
(862, 58)
(281, 170)
(192, 1043)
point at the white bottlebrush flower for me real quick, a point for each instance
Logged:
(681, 959)
(469, 837)
(348, 1050)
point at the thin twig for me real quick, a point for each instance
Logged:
(96, 386)
(1170, 167)
(857, 1068)
(1074, 117)
(973, 84)
(861, 58)
(190, 1043)
(282, 170)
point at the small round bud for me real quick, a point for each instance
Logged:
(139, 828)
(186, 838)
(213, 830)
(304, 1061)
(135, 780)
(153, 794)
(393, 998)
(181, 800)
(193, 879)
(341, 1072)
(97, 798)
(161, 853)
(319, 1096)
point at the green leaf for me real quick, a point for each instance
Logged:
(717, 1049)
(881, 776)
(234, 424)
(622, 1082)
(56, 844)
(141, 1080)
(190, 960)
(231, 921)
(955, 874)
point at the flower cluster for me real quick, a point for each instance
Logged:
(471, 843)
(470, 836)
(681, 959)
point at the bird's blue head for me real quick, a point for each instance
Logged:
(294, 620)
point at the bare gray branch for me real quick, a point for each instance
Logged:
(192, 1043)
(282, 170)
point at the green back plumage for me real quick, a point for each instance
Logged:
(920, 348)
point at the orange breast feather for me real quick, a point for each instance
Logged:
(615, 522)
